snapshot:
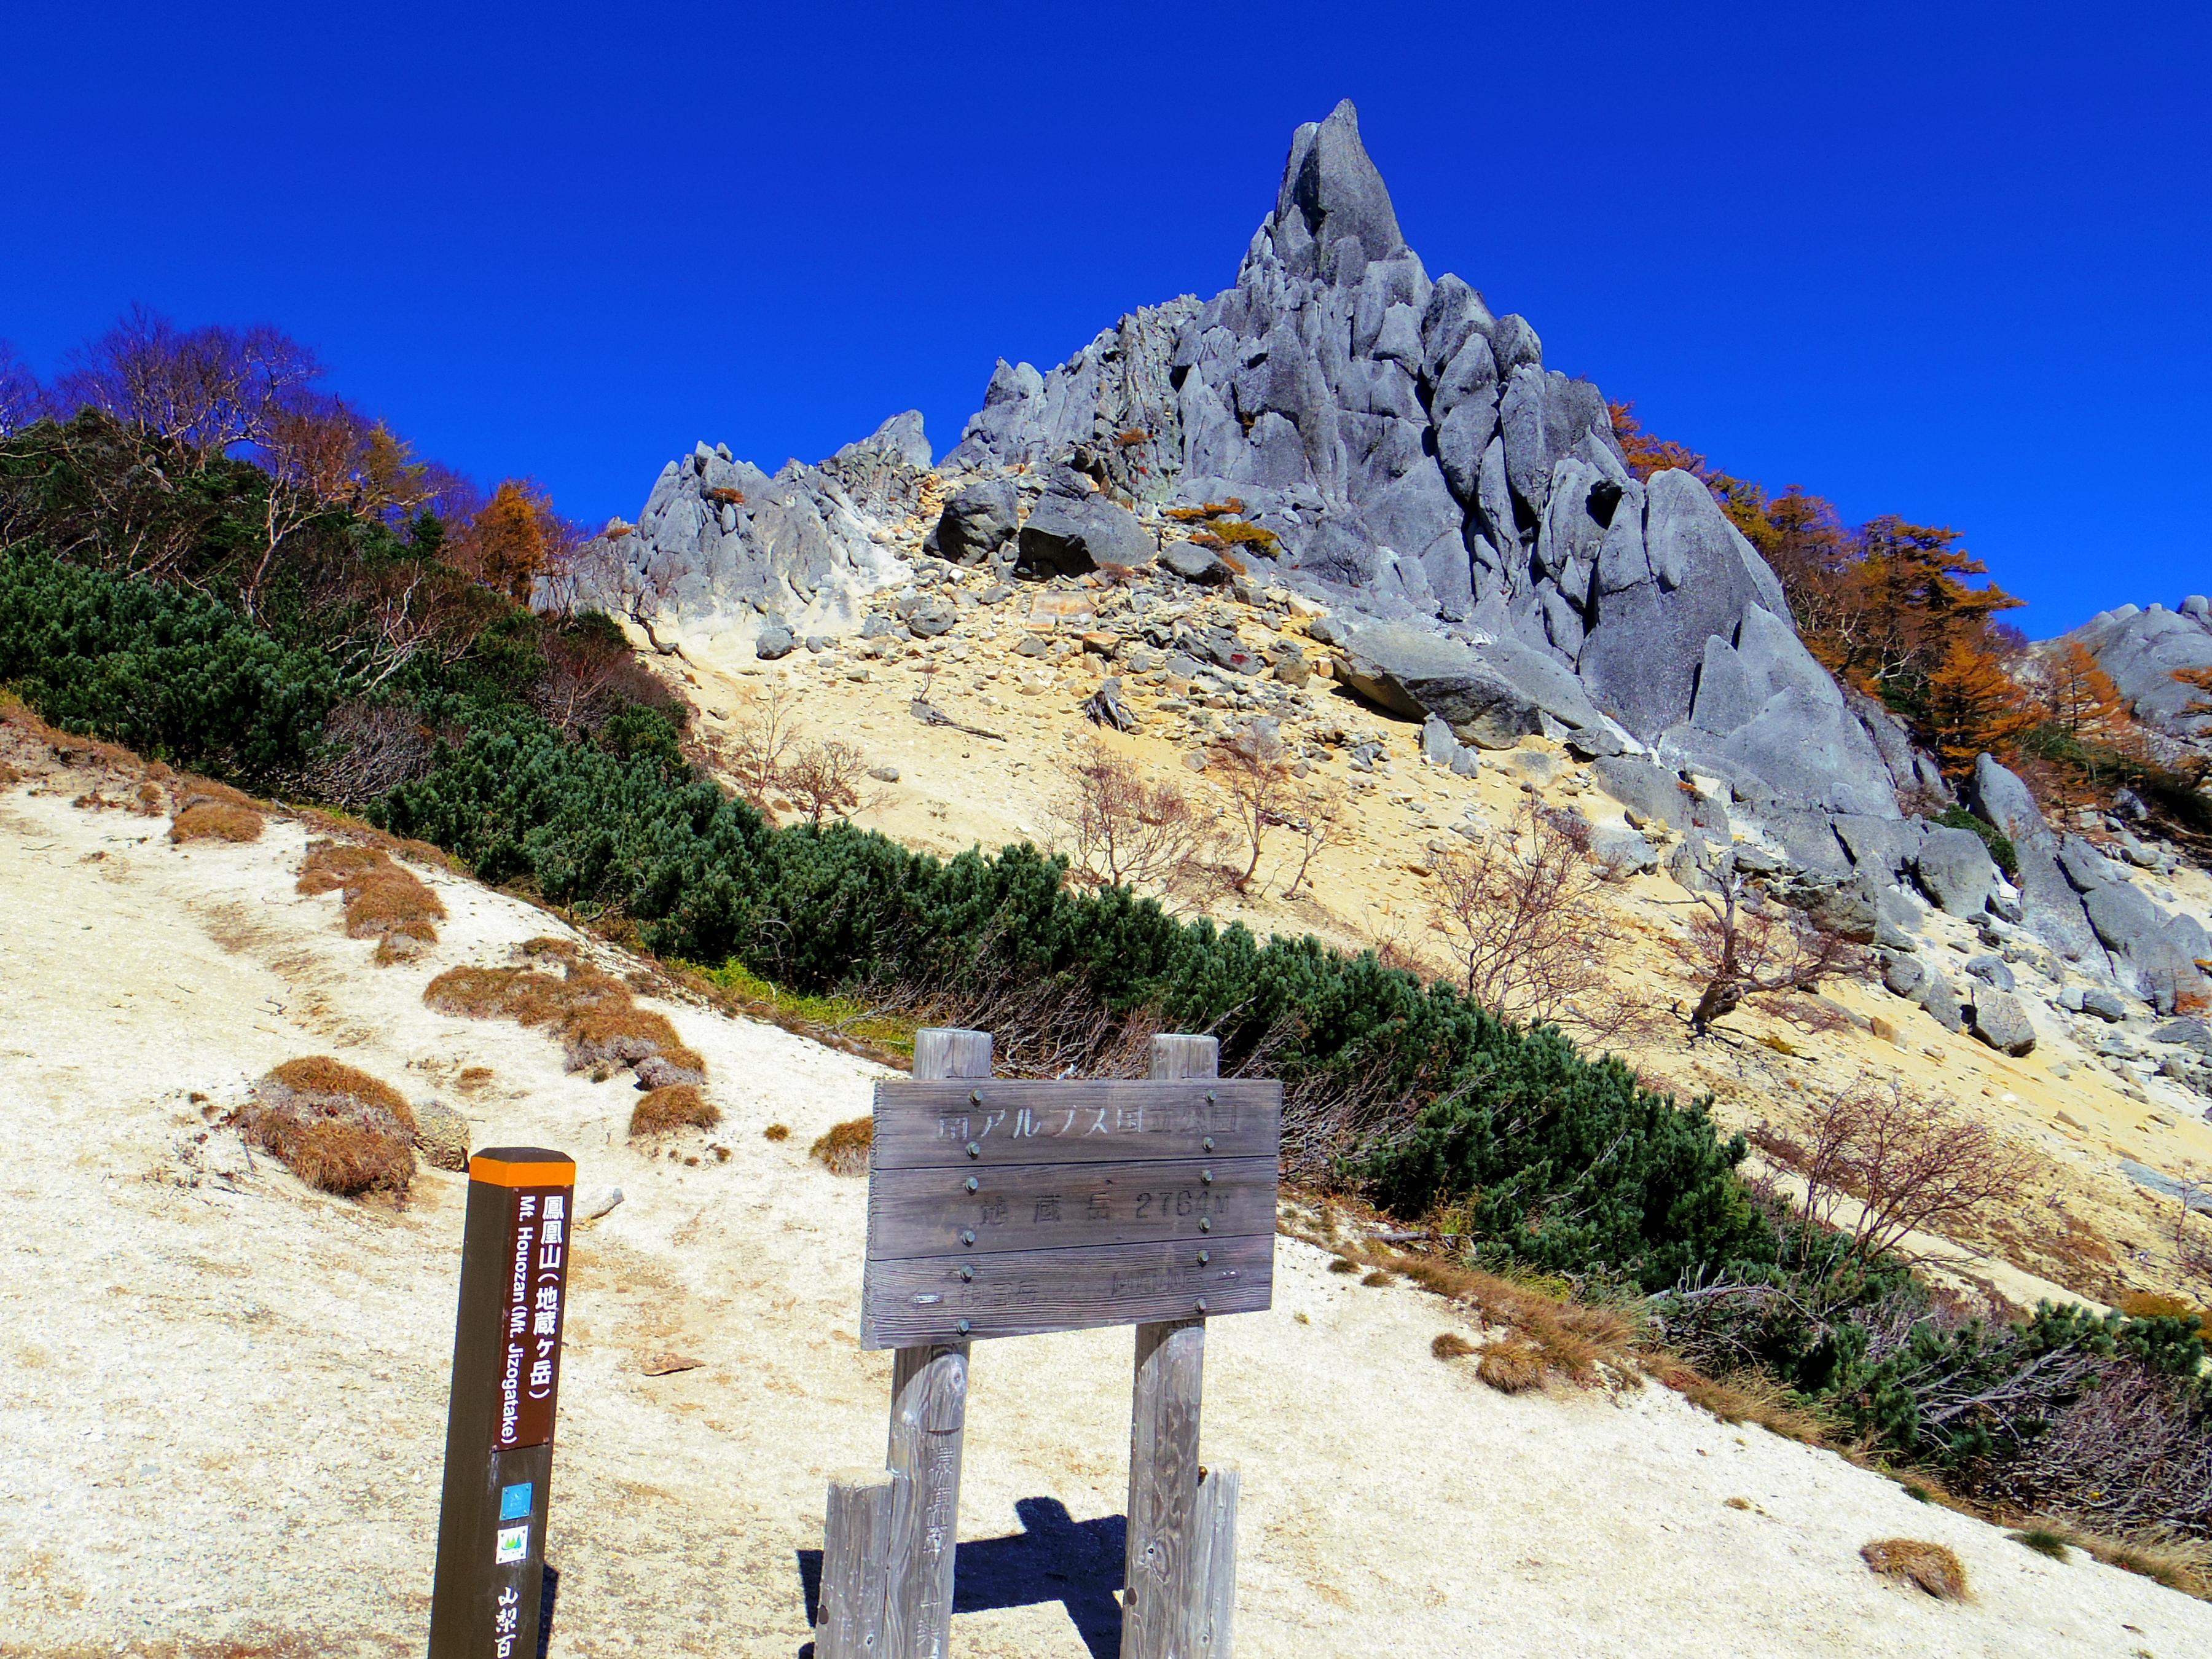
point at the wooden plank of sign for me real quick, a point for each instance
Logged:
(1027, 1293)
(967, 1125)
(1031, 1206)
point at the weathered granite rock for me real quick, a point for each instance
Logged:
(2142, 650)
(1941, 1002)
(2049, 906)
(1490, 695)
(1648, 793)
(1193, 563)
(2160, 952)
(977, 522)
(1073, 529)
(1624, 851)
(1953, 867)
(2105, 1004)
(721, 545)
(2001, 1022)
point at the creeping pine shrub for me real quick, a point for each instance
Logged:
(169, 672)
(337, 1128)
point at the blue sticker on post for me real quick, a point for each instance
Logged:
(513, 1544)
(514, 1501)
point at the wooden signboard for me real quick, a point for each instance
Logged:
(1006, 1207)
(998, 1206)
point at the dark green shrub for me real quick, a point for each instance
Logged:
(2000, 844)
(167, 673)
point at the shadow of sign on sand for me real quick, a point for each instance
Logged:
(1054, 1558)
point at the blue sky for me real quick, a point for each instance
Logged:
(1946, 261)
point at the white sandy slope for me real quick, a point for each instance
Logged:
(222, 1404)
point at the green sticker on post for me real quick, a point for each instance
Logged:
(513, 1544)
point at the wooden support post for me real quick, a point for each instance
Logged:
(855, 1544)
(929, 1414)
(1176, 1519)
(1212, 1605)
(490, 1576)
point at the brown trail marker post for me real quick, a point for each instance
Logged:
(499, 1427)
(1006, 1207)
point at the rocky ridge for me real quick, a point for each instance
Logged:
(1339, 467)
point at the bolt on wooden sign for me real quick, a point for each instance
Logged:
(1008, 1207)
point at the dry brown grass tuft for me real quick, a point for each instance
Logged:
(1343, 1264)
(474, 1078)
(337, 1128)
(1450, 1344)
(844, 1150)
(9, 775)
(1744, 1397)
(1379, 1276)
(2180, 1564)
(1584, 1345)
(1929, 1567)
(678, 1106)
(590, 1012)
(1513, 1364)
(319, 1074)
(382, 901)
(213, 820)
(776, 1131)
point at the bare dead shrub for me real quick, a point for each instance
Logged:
(212, 820)
(2125, 1458)
(368, 749)
(845, 1149)
(1925, 1566)
(1884, 1163)
(339, 1129)
(1520, 914)
(677, 1106)
(759, 745)
(1742, 944)
(1256, 785)
(1122, 828)
(824, 780)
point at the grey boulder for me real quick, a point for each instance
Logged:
(2001, 1022)
(2049, 908)
(1069, 533)
(774, 640)
(1646, 793)
(975, 523)
(1193, 563)
(1490, 695)
(1954, 868)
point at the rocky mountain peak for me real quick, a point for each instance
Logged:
(1331, 191)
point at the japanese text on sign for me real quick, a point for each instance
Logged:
(537, 1281)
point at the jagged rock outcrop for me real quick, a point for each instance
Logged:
(723, 546)
(2142, 650)
(2075, 899)
(1420, 466)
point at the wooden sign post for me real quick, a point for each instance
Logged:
(498, 1426)
(1005, 1207)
